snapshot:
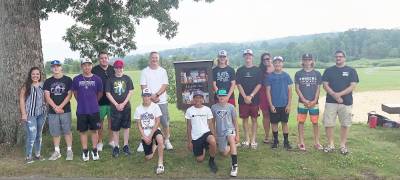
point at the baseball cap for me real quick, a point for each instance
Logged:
(248, 51)
(306, 56)
(55, 62)
(222, 53)
(86, 60)
(276, 58)
(222, 92)
(119, 63)
(198, 93)
(146, 92)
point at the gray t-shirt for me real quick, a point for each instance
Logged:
(224, 116)
(308, 83)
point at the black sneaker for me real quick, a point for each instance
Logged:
(115, 152)
(126, 150)
(213, 166)
(274, 145)
(287, 146)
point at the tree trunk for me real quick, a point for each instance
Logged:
(20, 49)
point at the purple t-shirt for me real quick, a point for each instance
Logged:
(87, 89)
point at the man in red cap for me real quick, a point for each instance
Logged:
(118, 90)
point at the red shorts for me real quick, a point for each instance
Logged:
(264, 105)
(248, 110)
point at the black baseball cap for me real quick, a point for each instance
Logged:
(307, 56)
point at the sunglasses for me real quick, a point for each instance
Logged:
(266, 59)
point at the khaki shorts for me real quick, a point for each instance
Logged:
(333, 110)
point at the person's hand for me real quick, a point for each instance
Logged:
(312, 104)
(273, 109)
(190, 145)
(119, 107)
(24, 118)
(247, 99)
(339, 100)
(58, 110)
(287, 109)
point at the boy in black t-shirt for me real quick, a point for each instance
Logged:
(58, 94)
(118, 90)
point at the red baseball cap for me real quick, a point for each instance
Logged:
(119, 63)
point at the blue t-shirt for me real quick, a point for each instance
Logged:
(279, 84)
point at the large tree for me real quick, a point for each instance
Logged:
(101, 25)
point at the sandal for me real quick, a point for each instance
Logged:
(318, 147)
(302, 147)
(329, 149)
(266, 141)
(254, 145)
(344, 151)
(245, 144)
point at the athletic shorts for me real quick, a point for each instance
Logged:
(87, 122)
(222, 141)
(59, 124)
(200, 144)
(279, 116)
(333, 110)
(105, 110)
(248, 110)
(120, 119)
(148, 148)
(302, 112)
(164, 119)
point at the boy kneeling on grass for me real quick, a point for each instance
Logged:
(199, 137)
(147, 116)
(226, 128)
(279, 93)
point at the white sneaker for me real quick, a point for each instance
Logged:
(70, 155)
(85, 157)
(95, 156)
(140, 148)
(168, 145)
(56, 155)
(160, 169)
(234, 170)
(99, 146)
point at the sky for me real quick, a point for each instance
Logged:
(240, 21)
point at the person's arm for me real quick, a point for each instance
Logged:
(255, 90)
(215, 87)
(235, 124)
(241, 90)
(232, 88)
(49, 100)
(189, 134)
(329, 90)
(314, 102)
(211, 125)
(99, 95)
(300, 94)
(140, 128)
(75, 95)
(127, 98)
(112, 100)
(155, 127)
(289, 99)
(66, 100)
(348, 90)
(270, 99)
(24, 115)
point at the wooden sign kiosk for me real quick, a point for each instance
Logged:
(193, 76)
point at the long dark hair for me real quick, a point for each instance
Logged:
(28, 81)
(262, 66)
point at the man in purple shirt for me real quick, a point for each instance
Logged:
(88, 89)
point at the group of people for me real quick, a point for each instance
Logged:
(105, 90)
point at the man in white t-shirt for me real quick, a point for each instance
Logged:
(155, 78)
(200, 130)
(147, 116)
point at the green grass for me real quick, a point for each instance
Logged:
(374, 153)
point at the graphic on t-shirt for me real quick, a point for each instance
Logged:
(146, 118)
(119, 87)
(57, 88)
(248, 75)
(87, 84)
(222, 114)
(223, 76)
(308, 81)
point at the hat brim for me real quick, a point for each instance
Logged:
(146, 94)
(198, 95)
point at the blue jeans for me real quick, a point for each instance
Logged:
(33, 129)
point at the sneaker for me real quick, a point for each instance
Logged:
(274, 145)
(126, 150)
(70, 155)
(56, 155)
(318, 147)
(95, 155)
(287, 146)
(302, 147)
(29, 160)
(234, 170)
(160, 169)
(115, 152)
(329, 149)
(245, 144)
(344, 150)
(99, 146)
(39, 158)
(168, 145)
(85, 157)
(111, 144)
(253, 145)
(213, 166)
(140, 148)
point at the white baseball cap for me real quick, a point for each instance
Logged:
(248, 51)
(278, 58)
(86, 60)
(222, 53)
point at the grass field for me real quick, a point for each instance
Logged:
(374, 153)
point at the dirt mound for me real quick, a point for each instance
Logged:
(365, 102)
